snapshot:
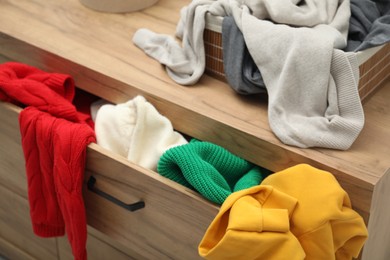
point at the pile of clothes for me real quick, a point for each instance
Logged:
(298, 213)
(298, 52)
(301, 212)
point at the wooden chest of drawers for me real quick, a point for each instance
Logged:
(96, 49)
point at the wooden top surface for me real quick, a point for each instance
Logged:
(97, 50)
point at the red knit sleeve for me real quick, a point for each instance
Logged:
(55, 151)
(20, 83)
(37, 137)
(62, 84)
(70, 142)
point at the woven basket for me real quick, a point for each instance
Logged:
(374, 63)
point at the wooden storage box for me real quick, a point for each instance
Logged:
(374, 63)
(69, 38)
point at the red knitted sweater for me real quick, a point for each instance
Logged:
(54, 139)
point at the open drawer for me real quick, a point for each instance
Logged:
(173, 219)
(172, 222)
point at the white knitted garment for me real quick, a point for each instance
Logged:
(137, 131)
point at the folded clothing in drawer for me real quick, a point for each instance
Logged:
(137, 131)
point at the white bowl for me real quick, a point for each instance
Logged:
(118, 6)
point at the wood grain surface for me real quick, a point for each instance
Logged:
(170, 226)
(16, 236)
(96, 49)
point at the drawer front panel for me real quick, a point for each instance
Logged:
(97, 249)
(17, 240)
(12, 169)
(169, 227)
(10, 251)
(15, 228)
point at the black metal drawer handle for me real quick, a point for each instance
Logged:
(132, 207)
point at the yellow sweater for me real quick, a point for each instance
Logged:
(298, 213)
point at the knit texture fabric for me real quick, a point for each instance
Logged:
(54, 149)
(137, 131)
(369, 24)
(24, 85)
(185, 65)
(240, 70)
(298, 213)
(209, 169)
(312, 85)
(54, 139)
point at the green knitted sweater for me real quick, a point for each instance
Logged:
(208, 168)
